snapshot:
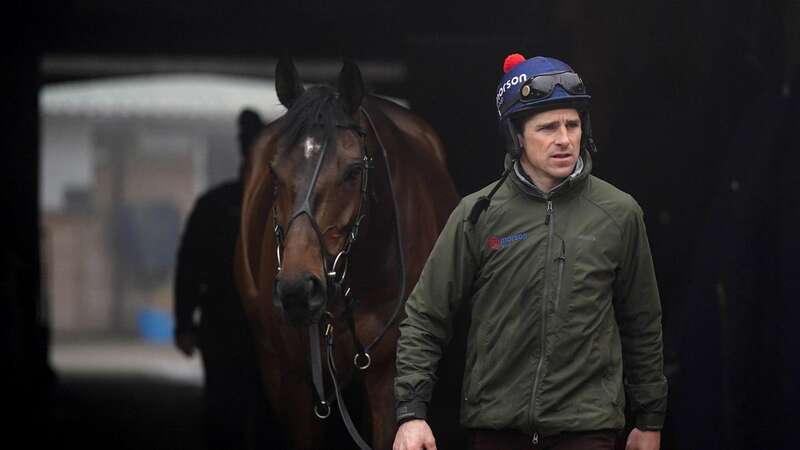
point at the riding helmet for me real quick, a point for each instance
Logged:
(517, 93)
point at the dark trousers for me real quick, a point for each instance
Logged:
(514, 440)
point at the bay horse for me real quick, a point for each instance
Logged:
(344, 197)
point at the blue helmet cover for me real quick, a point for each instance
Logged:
(508, 90)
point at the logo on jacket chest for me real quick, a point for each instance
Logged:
(497, 242)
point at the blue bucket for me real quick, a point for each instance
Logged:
(155, 325)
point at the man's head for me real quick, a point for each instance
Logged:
(551, 142)
(540, 84)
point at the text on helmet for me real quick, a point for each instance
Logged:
(517, 79)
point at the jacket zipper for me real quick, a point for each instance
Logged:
(562, 259)
(550, 231)
(547, 216)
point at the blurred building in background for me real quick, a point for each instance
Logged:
(122, 162)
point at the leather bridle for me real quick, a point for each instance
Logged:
(331, 265)
(335, 271)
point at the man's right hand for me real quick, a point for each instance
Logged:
(185, 342)
(414, 435)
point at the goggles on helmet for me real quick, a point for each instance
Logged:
(542, 86)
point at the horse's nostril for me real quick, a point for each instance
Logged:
(299, 292)
(310, 284)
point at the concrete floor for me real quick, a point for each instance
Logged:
(125, 356)
(120, 394)
(125, 394)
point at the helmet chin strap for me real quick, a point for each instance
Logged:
(513, 144)
(587, 140)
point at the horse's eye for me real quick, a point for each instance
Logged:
(352, 174)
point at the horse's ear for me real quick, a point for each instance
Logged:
(287, 82)
(351, 87)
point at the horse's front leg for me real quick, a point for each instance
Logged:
(380, 404)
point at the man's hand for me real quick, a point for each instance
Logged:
(185, 342)
(643, 440)
(414, 435)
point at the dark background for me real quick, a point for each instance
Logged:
(695, 112)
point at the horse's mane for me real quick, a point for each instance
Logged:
(317, 107)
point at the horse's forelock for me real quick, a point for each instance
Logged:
(318, 107)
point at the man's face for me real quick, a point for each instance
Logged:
(552, 142)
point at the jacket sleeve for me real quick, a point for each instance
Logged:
(445, 282)
(638, 310)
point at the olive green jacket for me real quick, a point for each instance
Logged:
(562, 295)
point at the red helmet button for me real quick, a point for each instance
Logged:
(511, 61)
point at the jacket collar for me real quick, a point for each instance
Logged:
(522, 182)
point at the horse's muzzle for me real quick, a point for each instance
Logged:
(301, 296)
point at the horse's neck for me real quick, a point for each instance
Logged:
(421, 187)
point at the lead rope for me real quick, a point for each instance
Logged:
(322, 408)
(348, 422)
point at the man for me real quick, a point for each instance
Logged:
(204, 283)
(555, 267)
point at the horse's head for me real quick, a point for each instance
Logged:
(319, 172)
